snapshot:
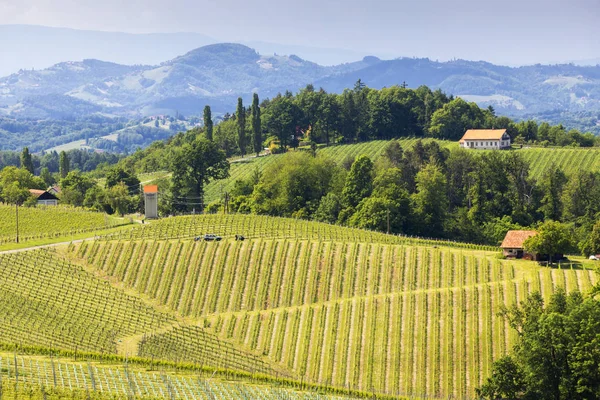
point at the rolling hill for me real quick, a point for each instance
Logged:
(297, 310)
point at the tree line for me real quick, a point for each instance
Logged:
(361, 114)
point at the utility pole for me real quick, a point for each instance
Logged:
(388, 221)
(17, 216)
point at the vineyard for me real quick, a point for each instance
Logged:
(48, 222)
(570, 160)
(47, 378)
(297, 303)
(397, 319)
(204, 278)
(47, 302)
(257, 226)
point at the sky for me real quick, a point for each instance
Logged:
(510, 32)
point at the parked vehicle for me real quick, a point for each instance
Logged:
(595, 257)
(239, 237)
(209, 237)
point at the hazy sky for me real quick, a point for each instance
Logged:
(503, 31)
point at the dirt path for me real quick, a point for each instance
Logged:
(43, 246)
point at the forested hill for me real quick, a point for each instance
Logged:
(218, 74)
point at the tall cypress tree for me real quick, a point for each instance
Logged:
(241, 122)
(64, 164)
(26, 160)
(208, 123)
(256, 126)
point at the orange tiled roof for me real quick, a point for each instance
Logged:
(483, 134)
(515, 239)
(151, 189)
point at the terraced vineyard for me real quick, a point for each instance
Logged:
(243, 170)
(42, 378)
(255, 226)
(45, 222)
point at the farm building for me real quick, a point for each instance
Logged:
(485, 139)
(55, 190)
(512, 247)
(151, 201)
(44, 198)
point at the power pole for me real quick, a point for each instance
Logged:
(388, 221)
(17, 215)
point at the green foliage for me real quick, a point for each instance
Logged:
(557, 355)
(15, 184)
(455, 118)
(118, 175)
(240, 115)
(329, 209)
(64, 165)
(359, 182)
(194, 166)
(118, 198)
(293, 185)
(26, 160)
(208, 123)
(551, 186)
(506, 381)
(255, 121)
(591, 245)
(74, 187)
(429, 202)
(552, 238)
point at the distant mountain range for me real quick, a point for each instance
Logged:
(39, 47)
(217, 74)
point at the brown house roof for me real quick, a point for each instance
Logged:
(37, 192)
(483, 134)
(515, 239)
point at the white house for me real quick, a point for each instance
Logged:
(485, 139)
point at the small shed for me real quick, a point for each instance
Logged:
(512, 245)
(151, 201)
(44, 198)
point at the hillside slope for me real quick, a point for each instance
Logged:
(339, 309)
